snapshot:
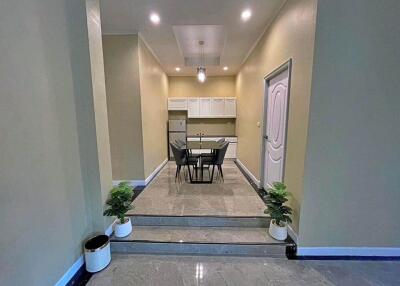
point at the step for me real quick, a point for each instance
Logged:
(199, 221)
(239, 241)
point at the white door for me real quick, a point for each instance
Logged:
(275, 129)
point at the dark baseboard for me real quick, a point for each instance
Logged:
(80, 278)
(137, 191)
(352, 258)
(260, 191)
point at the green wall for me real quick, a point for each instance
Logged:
(50, 184)
(352, 182)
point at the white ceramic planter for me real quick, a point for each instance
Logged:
(276, 231)
(97, 253)
(124, 229)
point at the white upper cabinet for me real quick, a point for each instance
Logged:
(230, 107)
(217, 106)
(205, 107)
(193, 107)
(177, 103)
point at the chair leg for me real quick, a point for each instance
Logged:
(179, 174)
(220, 170)
(177, 171)
(212, 173)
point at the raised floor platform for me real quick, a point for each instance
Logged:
(223, 218)
(232, 197)
(235, 236)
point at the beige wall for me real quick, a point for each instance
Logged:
(216, 86)
(137, 91)
(49, 178)
(121, 64)
(100, 109)
(351, 184)
(154, 94)
(290, 36)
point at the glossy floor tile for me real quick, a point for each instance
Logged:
(130, 270)
(232, 197)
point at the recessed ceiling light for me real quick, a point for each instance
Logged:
(155, 18)
(246, 14)
(225, 68)
(178, 69)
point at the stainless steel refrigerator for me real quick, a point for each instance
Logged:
(176, 130)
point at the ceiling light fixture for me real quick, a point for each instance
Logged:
(225, 68)
(178, 69)
(201, 70)
(201, 74)
(246, 14)
(155, 18)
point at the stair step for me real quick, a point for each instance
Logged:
(200, 221)
(243, 241)
(200, 234)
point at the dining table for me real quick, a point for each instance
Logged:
(214, 146)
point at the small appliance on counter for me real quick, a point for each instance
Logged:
(176, 130)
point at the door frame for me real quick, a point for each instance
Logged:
(285, 66)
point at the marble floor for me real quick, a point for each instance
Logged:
(232, 197)
(126, 270)
(200, 234)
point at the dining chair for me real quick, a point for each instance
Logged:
(181, 159)
(192, 156)
(216, 160)
(204, 155)
(180, 142)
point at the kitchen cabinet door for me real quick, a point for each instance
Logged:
(205, 107)
(177, 103)
(231, 151)
(193, 107)
(218, 106)
(230, 107)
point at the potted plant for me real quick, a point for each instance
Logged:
(280, 213)
(118, 204)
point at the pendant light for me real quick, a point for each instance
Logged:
(201, 70)
(201, 74)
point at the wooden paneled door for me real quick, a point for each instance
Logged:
(275, 127)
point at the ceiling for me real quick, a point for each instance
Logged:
(174, 41)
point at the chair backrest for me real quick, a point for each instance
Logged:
(219, 158)
(179, 154)
(180, 142)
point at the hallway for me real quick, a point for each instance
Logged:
(232, 197)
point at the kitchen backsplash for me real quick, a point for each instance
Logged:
(208, 126)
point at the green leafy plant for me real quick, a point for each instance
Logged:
(275, 199)
(119, 201)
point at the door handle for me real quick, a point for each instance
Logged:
(266, 137)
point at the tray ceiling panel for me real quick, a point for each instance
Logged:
(174, 41)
